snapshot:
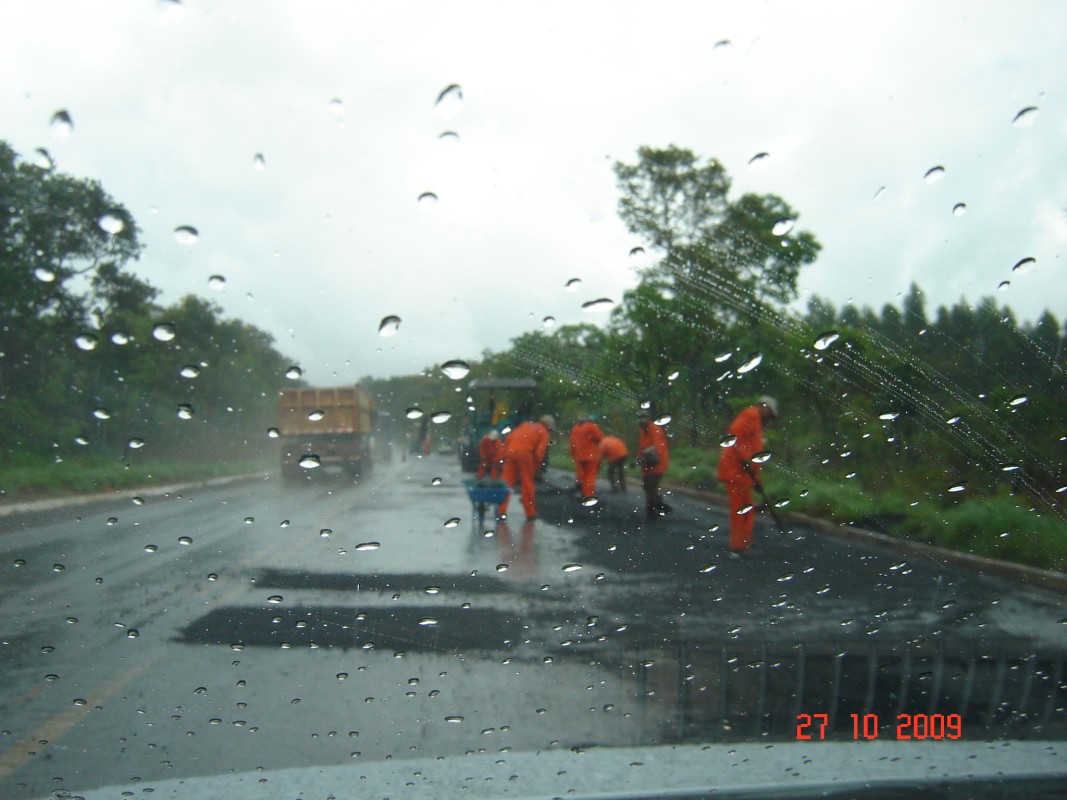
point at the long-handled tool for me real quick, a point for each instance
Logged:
(763, 494)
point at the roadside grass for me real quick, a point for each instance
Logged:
(32, 480)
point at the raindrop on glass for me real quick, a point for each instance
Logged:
(259, 162)
(216, 282)
(761, 457)
(600, 304)
(723, 357)
(449, 101)
(389, 326)
(185, 411)
(889, 416)
(294, 373)
(427, 199)
(453, 522)
(44, 275)
(61, 124)
(783, 226)
(571, 567)
(43, 159)
(275, 599)
(456, 370)
(1023, 266)
(186, 234)
(448, 136)
(86, 341)
(958, 487)
(663, 419)
(441, 417)
(1018, 400)
(273, 433)
(310, 461)
(590, 502)
(1003, 285)
(934, 174)
(959, 209)
(365, 546)
(109, 223)
(759, 159)
(189, 371)
(336, 107)
(637, 251)
(435, 482)
(826, 340)
(750, 363)
(120, 338)
(727, 441)
(185, 540)
(413, 413)
(164, 332)
(135, 444)
(315, 416)
(101, 413)
(573, 284)
(548, 322)
(1026, 117)
(427, 621)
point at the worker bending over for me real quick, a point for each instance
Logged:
(614, 451)
(490, 455)
(740, 473)
(585, 450)
(524, 453)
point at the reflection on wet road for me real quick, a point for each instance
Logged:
(246, 627)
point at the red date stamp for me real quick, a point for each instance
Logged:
(868, 726)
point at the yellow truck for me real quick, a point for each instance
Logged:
(326, 431)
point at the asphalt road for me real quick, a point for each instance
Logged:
(257, 626)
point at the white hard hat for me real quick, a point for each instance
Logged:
(771, 403)
(549, 421)
(494, 434)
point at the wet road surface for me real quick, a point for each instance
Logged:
(260, 626)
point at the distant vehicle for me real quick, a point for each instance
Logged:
(494, 403)
(329, 429)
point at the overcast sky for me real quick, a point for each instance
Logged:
(171, 103)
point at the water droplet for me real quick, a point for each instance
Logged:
(112, 521)
(342, 676)
(636, 251)
(759, 159)
(787, 576)
(453, 522)
(448, 136)
(589, 502)
(1026, 117)
(135, 444)
(259, 162)
(1023, 267)
(86, 341)
(751, 362)
(454, 720)
(427, 199)
(164, 332)
(501, 567)
(275, 599)
(783, 226)
(365, 546)
(216, 282)
(954, 420)
(456, 369)
(336, 107)
(273, 433)
(1009, 468)
(1003, 285)
(186, 234)
(889, 416)
(724, 44)
(43, 159)
(449, 101)
(600, 304)
(573, 284)
(723, 357)
(958, 487)
(102, 413)
(151, 548)
(934, 174)
(389, 326)
(61, 124)
(189, 371)
(440, 417)
(315, 416)
(663, 419)
(294, 373)
(310, 461)
(1018, 400)
(185, 411)
(132, 633)
(761, 457)
(709, 568)
(81, 440)
(727, 441)
(959, 209)
(427, 621)
(435, 482)
(44, 275)
(571, 567)
(674, 375)
(325, 533)
(827, 339)
(120, 338)
(110, 223)
(879, 194)
(414, 413)
(548, 322)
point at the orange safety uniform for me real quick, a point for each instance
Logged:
(613, 450)
(651, 435)
(524, 452)
(585, 450)
(747, 427)
(490, 457)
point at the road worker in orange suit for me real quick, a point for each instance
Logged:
(524, 453)
(740, 473)
(654, 458)
(585, 450)
(613, 450)
(490, 455)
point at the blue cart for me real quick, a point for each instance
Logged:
(484, 493)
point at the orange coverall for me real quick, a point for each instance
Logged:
(613, 450)
(490, 455)
(748, 428)
(585, 450)
(649, 434)
(524, 452)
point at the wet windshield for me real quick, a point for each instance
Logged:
(466, 399)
